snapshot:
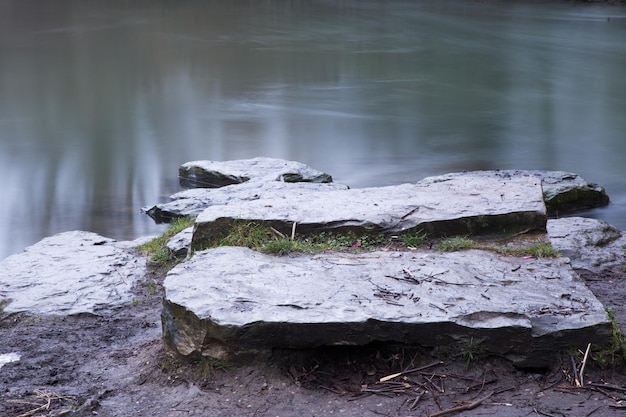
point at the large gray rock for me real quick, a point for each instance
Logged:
(590, 244)
(192, 202)
(562, 191)
(233, 303)
(214, 174)
(468, 203)
(70, 273)
(565, 192)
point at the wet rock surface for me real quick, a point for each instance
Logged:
(566, 192)
(113, 363)
(233, 182)
(215, 174)
(180, 243)
(228, 302)
(70, 273)
(215, 183)
(472, 203)
(591, 244)
(233, 299)
(192, 202)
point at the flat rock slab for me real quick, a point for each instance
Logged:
(70, 273)
(231, 182)
(213, 174)
(231, 302)
(471, 203)
(192, 202)
(563, 192)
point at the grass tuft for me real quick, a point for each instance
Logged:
(282, 246)
(156, 249)
(456, 243)
(615, 350)
(413, 238)
(538, 250)
(543, 250)
(472, 353)
(248, 234)
(200, 370)
(263, 238)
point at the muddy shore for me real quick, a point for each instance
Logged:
(115, 365)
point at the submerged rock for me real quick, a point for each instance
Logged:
(215, 174)
(233, 303)
(565, 192)
(456, 204)
(70, 273)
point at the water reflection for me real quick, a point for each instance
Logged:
(100, 102)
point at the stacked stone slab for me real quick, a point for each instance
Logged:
(217, 183)
(234, 303)
(232, 182)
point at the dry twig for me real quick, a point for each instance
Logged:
(582, 366)
(47, 396)
(465, 407)
(607, 386)
(408, 371)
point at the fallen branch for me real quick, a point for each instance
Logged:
(480, 384)
(608, 386)
(575, 372)
(466, 407)
(603, 392)
(415, 402)
(435, 386)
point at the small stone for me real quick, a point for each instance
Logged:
(591, 244)
(180, 243)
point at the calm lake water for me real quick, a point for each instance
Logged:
(100, 102)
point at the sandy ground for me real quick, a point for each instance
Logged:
(115, 365)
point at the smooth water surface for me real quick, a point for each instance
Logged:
(100, 102)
